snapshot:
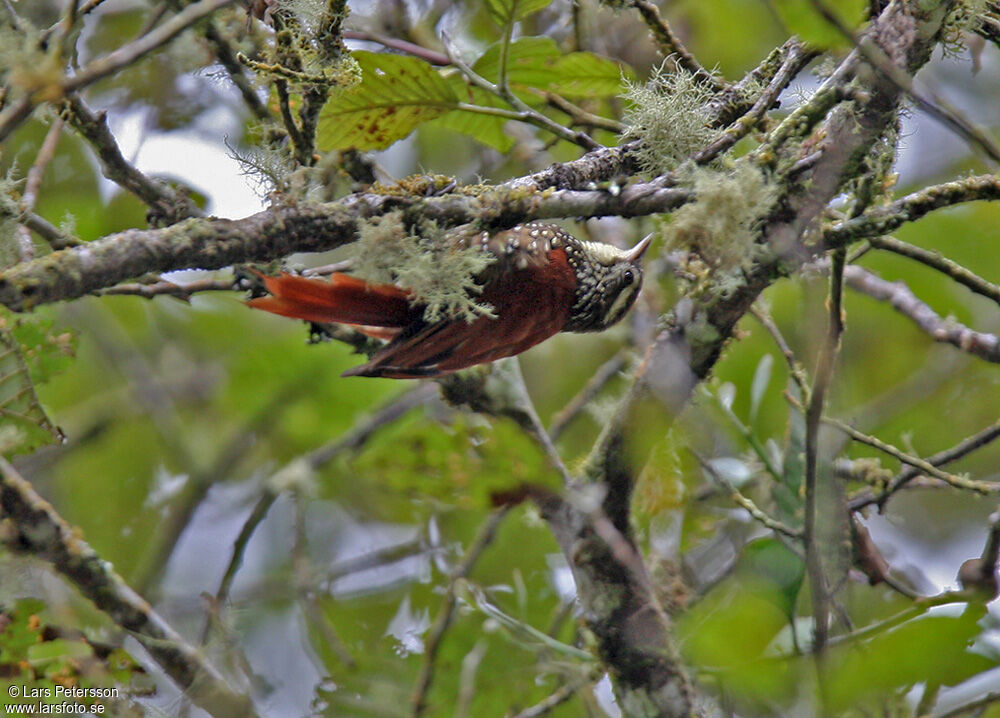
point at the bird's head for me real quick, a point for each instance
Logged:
(608, 280)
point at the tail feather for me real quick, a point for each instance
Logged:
(343, 299)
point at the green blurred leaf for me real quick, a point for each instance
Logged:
(506, 11)
(396, 94)
(727, 632)
(932, 647)
(803, 19)
(60, 650)
(770, 561)
(584, 74)
(24, 425)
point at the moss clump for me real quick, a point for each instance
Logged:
(721, 225)
(668, 114)
(440, 274)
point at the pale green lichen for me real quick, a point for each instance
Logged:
(10, 211)
(668, 114)
(428, 262)
(964, 17)
(270, 167)
(721, 225)
(19, 47)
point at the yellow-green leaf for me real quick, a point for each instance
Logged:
(506, 11)
(396, 94)
(488, 129)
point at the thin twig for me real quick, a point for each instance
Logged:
(887, 219)
(163, 199)
(556, 698)
(527, 114)
(819, 588)
(171, 289)
(973, 707)
(756, 513)
(935, 260)
(128, 54)
(903, 300)
(418, 702)
(431, 56)
(922, 465)
(313, 461)
(597, 381)
(798, 56)
(579, 116)
(671, 46)
(961, 449)
(795, 369)
(33, 183)
(56, 238)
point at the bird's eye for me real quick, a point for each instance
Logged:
(628, 277)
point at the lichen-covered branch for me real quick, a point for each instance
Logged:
(889, 218)
(280, 231)
(30, 524)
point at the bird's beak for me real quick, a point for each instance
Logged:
(635, 254)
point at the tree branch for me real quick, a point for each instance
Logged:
(30, 524)
(889, 218)
(280, 231)
(904, 301)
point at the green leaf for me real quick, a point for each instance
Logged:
(24, 425)
(936, 647)
(58, 650)
(396, 94)
(584, 74)
(537, 62)
(768, 560)
(507, 11)
(530, 62)
(488, 129)
(803, 19)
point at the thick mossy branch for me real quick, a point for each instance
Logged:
(280, 231)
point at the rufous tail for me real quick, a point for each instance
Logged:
(343, 299)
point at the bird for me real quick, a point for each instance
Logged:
(543, 281)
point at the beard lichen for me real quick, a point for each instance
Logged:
(427, 261)
(721, 225)
(10, 212)
(668, 114)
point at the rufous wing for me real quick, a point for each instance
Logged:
(342, 299)
(529, 307)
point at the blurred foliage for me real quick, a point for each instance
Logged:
(38, 660)
(332, 609)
